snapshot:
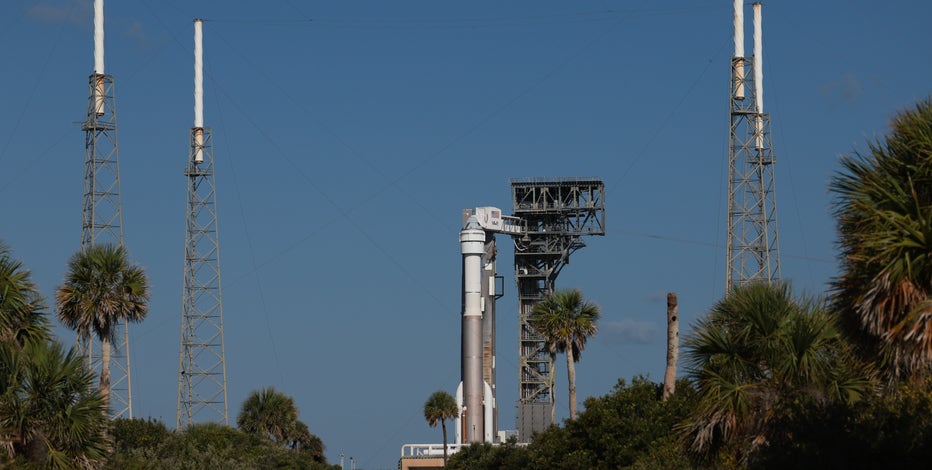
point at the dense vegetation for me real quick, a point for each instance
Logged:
(53, 416)
(142, 444)
(629, 427)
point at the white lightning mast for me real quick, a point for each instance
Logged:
(102, 219)
(202, 377)
(752, 250)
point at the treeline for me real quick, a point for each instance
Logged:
(632, 427)
(148, 444)
(53, 416)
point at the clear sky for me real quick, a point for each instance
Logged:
(350, 135)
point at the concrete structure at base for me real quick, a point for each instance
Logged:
(427, 456)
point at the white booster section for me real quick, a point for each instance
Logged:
(198, 91)
(472, 246)
(758, 78)
(739, 49)
(99, 37)
(489, 411)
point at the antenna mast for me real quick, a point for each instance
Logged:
(752, 250)
(202, 376)
(102, 215)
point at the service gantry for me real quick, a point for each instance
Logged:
(557, 213)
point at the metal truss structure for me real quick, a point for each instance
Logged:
(558, 212)
(202, 382)
(102, 223)
(752, 248)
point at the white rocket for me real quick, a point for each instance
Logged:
(474, 395)
(472, 246)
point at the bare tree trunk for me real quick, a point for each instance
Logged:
(553, 390)
(571, 378)
(105, 373)
(673, 345)
(443, 424)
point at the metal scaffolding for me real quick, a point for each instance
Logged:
(202, 382)
(558, 212)
(102, 223)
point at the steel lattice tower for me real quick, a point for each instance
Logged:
(557, 213)
(102, 213)
(752, 248)
(202, 382)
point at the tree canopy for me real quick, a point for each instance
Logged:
(273, 415)
(567, 321)
(757, 350)
(438, 408)
(50, 415)
(883, 204)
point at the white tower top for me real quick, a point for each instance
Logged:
(758, 60)
(198, 73)
(99, 37)
(739, 28)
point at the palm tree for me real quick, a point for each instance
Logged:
(438, 408)
(566, 321)
(757, 349)
(50, 413)
(269, 414)
(21, 307)
(883, 203)
(304, 441)
(101, 290)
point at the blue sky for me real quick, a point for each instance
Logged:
(346, 147)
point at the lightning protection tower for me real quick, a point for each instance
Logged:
(558, 213)
(752, 250)
(202, 377)
(102, 215)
